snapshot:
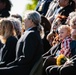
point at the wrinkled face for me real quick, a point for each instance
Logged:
(27, 23)
(73, 34)
(63, 33)
(73, 24)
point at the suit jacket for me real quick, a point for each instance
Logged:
(8, 51)
(52, 7)
(73, 47)
(52, 51)
(42, 6)
(29, 51)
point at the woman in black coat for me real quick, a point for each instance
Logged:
(8, 50)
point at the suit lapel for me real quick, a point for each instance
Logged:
(21, 43)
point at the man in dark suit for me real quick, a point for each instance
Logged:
(42, 6)
(29, 47)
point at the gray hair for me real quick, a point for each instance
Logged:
(35, 17)
(72, 14)
(73, 21)
(17, 25)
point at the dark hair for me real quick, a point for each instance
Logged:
(8, 4)
(17, 16)
(72, 4)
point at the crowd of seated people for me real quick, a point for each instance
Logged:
(50, 31)
(19, 48)
(57, 13)
(69, 66)
(62, 16)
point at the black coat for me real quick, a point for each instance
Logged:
(4, 13)
(43, 5)
(8, 51)
(73, 47)
(29, 51)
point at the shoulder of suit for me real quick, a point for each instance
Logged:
(26, 33)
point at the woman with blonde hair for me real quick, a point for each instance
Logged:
(8, 51)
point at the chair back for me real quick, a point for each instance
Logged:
(37, 68)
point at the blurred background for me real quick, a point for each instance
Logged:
(21, 6)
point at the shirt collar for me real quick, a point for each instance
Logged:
(28, 29)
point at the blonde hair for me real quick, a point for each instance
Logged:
(65, 27)
(6, 28)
